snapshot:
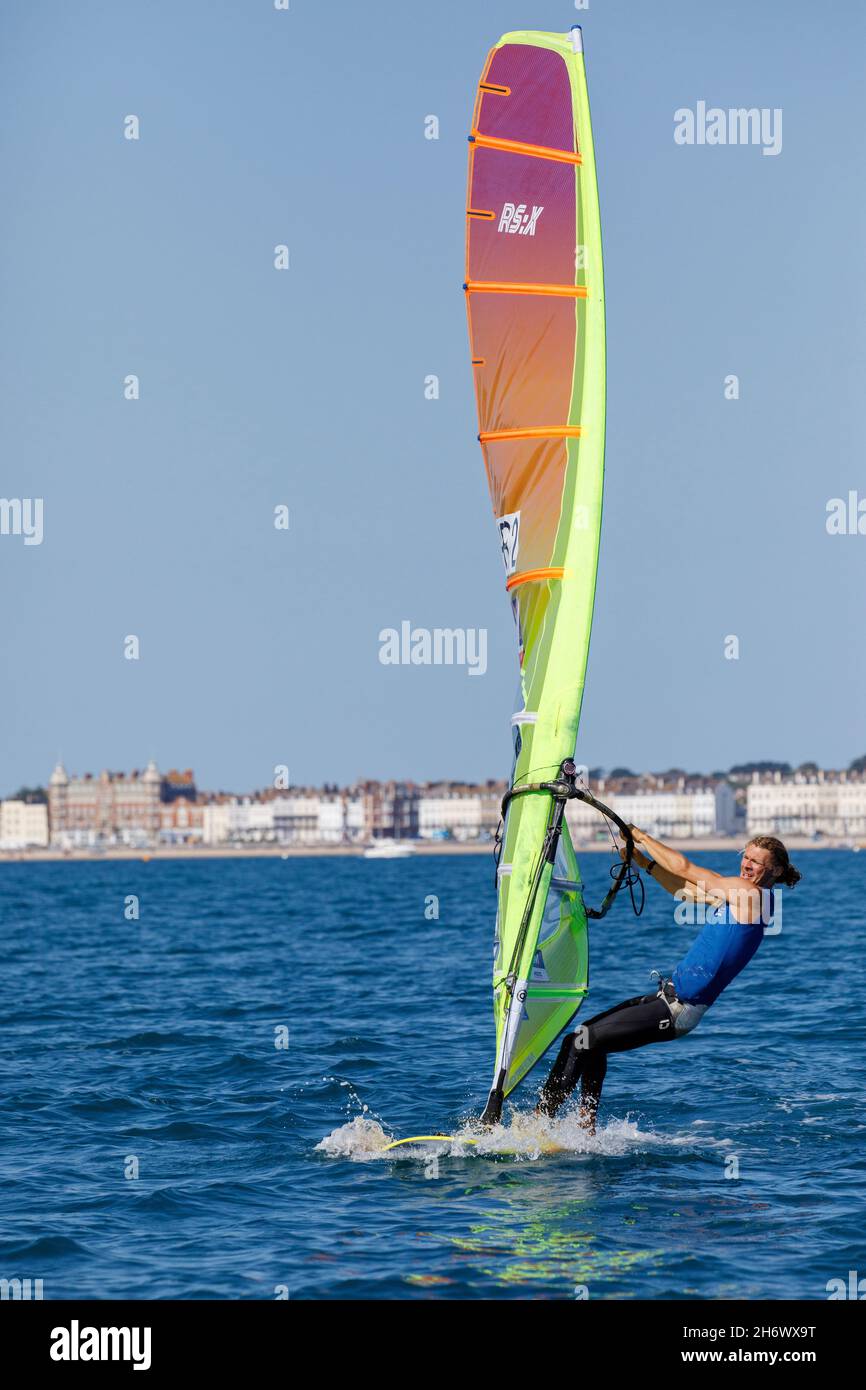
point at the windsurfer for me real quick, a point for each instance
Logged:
(740, 908)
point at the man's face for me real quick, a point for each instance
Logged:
(757, 864)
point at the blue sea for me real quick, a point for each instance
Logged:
(195, 1100)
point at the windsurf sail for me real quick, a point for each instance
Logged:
(535, 302)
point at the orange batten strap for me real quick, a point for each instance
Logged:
(501, 287)
(491, 87)
(539, 432)
(531, 576)
(477, 212)
(492, 142)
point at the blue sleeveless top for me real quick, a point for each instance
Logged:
(718, 954)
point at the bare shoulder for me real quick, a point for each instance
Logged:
(744, 897)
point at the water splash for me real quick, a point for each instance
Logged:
(525, 1137)
(361, 1139)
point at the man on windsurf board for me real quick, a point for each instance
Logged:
(740, 909)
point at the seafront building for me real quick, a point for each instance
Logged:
(817, 804)
(148, 808)
(118, 808)
(682, 812)
(23, 825)
(459, 812)
(306, 819)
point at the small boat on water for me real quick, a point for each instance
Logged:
(389, 849)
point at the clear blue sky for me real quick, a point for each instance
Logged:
(155, 257)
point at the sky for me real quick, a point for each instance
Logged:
(304, 388)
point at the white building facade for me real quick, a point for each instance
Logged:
(813, 807)
(666, 815)
(23, 825)
(305, 819)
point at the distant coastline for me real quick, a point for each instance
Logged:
(424, 849)
(165, 814)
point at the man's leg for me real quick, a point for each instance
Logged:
(634, 1023)
(591, 1083)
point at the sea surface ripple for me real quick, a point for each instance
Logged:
(195, 1102)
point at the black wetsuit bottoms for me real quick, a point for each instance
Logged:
(583, 1055)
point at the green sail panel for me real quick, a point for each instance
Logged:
(535, 304)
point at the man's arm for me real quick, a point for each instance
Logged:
(703, 882)
(672, 883)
